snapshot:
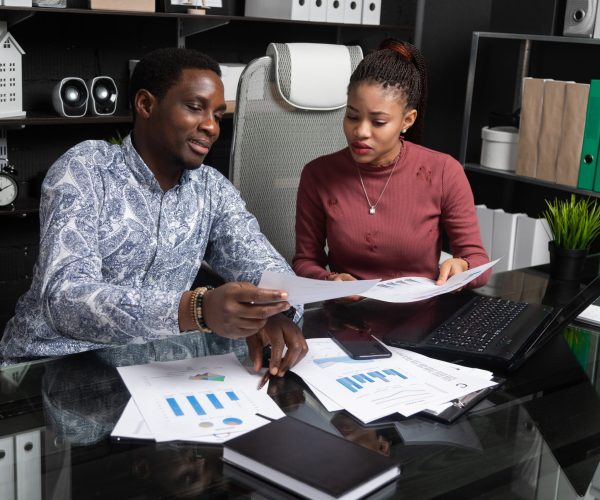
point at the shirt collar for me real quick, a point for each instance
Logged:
(140, 170)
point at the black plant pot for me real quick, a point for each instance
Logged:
(565, 263)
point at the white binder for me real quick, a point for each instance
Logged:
(317, 10)
(485, 217)
(335, 11)
(7, 468)
(371, 12)
(352, 11)
(503, 239)
(297, 10)
(28, 461)
(531, 242)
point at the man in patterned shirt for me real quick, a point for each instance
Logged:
(124, 229)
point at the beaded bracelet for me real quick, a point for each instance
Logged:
(196, 299)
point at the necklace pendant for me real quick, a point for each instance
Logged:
(372, 210)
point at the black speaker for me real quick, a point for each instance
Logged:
(70, 97)
(103, 96)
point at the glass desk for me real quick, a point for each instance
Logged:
(537, 437)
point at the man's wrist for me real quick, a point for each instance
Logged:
(290, 313)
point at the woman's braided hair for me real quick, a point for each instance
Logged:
(398, 65)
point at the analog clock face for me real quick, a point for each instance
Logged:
(8, 190)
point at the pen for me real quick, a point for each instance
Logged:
(263, 380)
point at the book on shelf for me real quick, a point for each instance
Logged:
(529, 128)
(573, 125)
(309, 461)
(591, 138)
(550, 129)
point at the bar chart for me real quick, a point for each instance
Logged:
(202, 404)
(358, 381)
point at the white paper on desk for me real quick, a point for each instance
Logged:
(307, 290)
(131, 424)
(211, 397)
(372, 389)
(412, 289)
(591, 314)
(471, 379)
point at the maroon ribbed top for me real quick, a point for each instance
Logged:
(428, 191)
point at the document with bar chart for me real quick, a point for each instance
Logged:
(212, 398)
(372, 389)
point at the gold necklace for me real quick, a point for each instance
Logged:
(373, 207)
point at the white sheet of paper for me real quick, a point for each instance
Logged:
(211, 399)
(412, 289)
(371, 389)
(306, 290)
(131, 424)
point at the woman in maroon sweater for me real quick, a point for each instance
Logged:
(378, 208)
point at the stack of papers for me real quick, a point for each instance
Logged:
(406, 383)
(408, 289)
(209, 399)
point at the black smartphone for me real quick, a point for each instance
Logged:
(359, 344)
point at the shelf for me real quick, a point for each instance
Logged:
(20, 13)
(43, 119)
(536, 38)
(505, 174)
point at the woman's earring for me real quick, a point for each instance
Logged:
(404, 130)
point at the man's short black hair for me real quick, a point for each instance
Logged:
(160, 69)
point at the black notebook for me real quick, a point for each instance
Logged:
(309, 461)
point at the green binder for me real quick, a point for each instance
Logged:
(591, 138)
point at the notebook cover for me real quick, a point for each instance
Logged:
(310, 455)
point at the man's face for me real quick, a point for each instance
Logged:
(185, 123)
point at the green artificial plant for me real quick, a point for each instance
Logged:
(575, 224)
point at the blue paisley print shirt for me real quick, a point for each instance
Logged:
(116, 252)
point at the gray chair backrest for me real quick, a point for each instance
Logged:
(277, 130)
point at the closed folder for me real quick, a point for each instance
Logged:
(485, 217)
(503, 239)
(591, 138)
(573, 125)
(317, 11)
(531, 242)
(7, 467)
(529, 128)
(352, 11)
(298, 10)
(28, 462)
(371, 11)
(550, 129)
(335, 11)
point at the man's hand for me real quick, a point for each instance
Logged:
(279, 332)
(449, 268)
(236, 310)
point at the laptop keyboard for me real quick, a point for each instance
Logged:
(484, 322)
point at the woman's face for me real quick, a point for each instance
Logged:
(374, 120)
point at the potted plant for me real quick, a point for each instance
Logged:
(574, 224)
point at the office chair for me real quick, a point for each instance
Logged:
(290, 106)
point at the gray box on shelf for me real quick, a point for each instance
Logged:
(50, 3)
(499, 147)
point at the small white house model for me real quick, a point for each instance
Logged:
(11, 74)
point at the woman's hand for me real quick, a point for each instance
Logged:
(449, 268)
(344, 277)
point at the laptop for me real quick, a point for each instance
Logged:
(490, 332)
